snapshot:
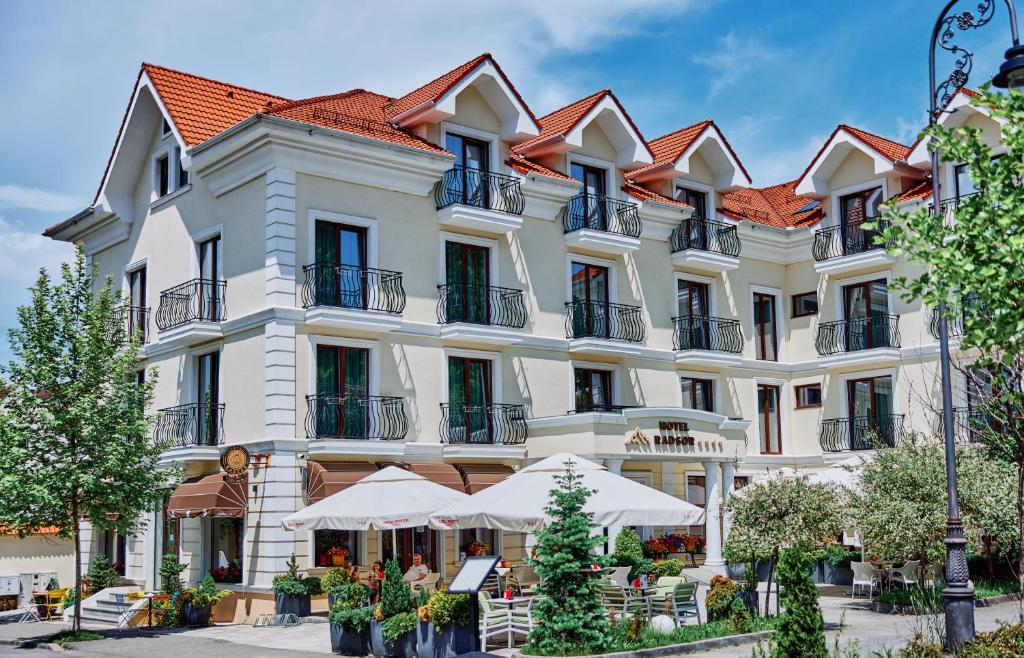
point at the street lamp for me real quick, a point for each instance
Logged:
(959, 594)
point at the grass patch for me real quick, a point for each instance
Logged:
(64, 637)
(983, 589)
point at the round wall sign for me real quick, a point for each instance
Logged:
(235, 462)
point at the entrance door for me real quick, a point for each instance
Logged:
(470, 166)
(867, 309)
(208, 399)
(469, 398)
(694, 329)
(590, 311)
(343, 384)
(467, 275)
(855, 209)
(870, 409)
(113, 547)
(340, 252)
(420, 540)
(592, 212)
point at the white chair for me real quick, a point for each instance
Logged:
(496, 621)
(428, 584)
(864, 575)
(619, 576)
(907, 575)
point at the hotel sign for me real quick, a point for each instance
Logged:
(673, 433)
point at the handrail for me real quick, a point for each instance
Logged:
(348, 286)
(496, 424)
(191, 424)
(356, 417)
(195, 300)
(858, 334)
(481, 189)
(860, 432)
(848, 239)
(598, 212)
(696, 332)
(706, 235)
(481, 304)
(604, 320)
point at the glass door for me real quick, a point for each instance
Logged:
(592, 212)
(855, 209)
(469, 399)
(590, 309)
(593, 390)
(694, 329)
(208, 398)
(470, 166)
(467, 275)
(765, 329)
(697, 232)
(870, 408)
(340, 253)
(209, 277)
(867, 310)
(343, 384)
(137, 301)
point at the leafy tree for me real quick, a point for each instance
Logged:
(74, 427)
(571, 619)
(970, 258)
(801, 629)
(782, 511)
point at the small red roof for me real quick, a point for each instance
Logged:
(644, 194)
(921, 190)
(525, 166)
(887, 148)
(668, 148)
(776, 205)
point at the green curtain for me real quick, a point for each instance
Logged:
(356, 390)
(325, 251)
(327, 366)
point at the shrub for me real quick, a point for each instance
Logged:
(398, 625)
(721, 594)
(100, 574)
(291, 583)
(1006, 640)
(335, 578)
(629, 552)
(395, 596)
(667, 568)
(635, 627)
(801, 630)
(445, 609)
(739, 617)
(206, 595)
(170, 574)
(351, 619)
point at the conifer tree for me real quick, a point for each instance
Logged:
(395, 595)
(801, 629)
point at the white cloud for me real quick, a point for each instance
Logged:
(23, 252)
(30, 198)
(734, 59)
(907, 131)
(780, 164)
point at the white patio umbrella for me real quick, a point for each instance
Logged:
(517, 503)
(390, 499)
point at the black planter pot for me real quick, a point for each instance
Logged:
(348, 642)
(451, 642)
(818, 571)
(736, 570)
(193, 616)
(763, 567)
(838, 575)
(292, 605)
(752, 600)
(403, 647)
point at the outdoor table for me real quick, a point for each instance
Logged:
(510, 605)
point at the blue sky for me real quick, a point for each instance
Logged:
(776, 76)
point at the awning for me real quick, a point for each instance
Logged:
(480, 476)
(328, 478)
(445, 474)
(208, 495)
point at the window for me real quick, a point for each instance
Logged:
(964, 184)
(699, 201)
(340, 254)
(740, 481)
(342, 385)
(420, 540)
(467, 279)
(765, 332)
(866, 306)
(165, 128)
(182, 178)
(768, 419)
(469, 399)
(870, 409)
(692, 326)
(137, 301)
(593, 390)
(804, 304)
(112, 547)
(860, 206)
(592, 212)
(590, 311)
(208, 399)
(170, 540)
(333, 548)
(209, 280)
(474, 540)
(471, 161)
(163, 176)
(226, 537)
(695, 494)
(697, 393)
(808, 395)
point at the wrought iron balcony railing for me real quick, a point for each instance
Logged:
(860, 334)
(952, 203)
(478, 304)
(604, 320)
(705, 235)
(195, 300)
(346, 286)
(847, 240)
(491, 424)
(135, 321)
(956, 325)
(603, 408)
(860, 432)
(189, 425)
(355, 417)
(480, 189)
(601, 213)
(694, 332)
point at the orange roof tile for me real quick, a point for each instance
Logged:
(668, 148)
(46, 530)
(526, 166)
(776, 205)
(921, 190)
(202, 108)
(643, 194)
(887, 148)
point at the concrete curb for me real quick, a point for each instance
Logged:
(676, 649)
(908, 610)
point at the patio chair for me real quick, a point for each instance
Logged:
(428, 584)
(907, 574)
(623, 601)
(494, 621)
(864, 575)
(125, 611)
(619, 576)
(662, 596)
(526, 577)
(684, 603)
(933, 574)
(55, 603)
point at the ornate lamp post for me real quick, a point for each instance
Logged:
(959, 594)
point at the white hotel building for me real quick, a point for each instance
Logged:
(446, 281)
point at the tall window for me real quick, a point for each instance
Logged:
(866, 306)
(590, 300)
(695, 494)
(592, 212)
(854, 210)
(765, 327)
(477, 541)
(469, 398)
(170, 540)
(183, 178)
(769, 420)
(208, 397)
(226, 540)
(342, 382)
(113, 547)
(870, 402)
(697, 393)
(467, 275)
(137, 295)
(163, 175)
(340, 252)
(333, 548)
(699, 201)
(209, 277)
(593, 390)
(692, 306)
(471, 158)
(964, 184)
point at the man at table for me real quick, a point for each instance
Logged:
(418, 570)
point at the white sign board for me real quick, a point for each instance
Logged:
(472, 575)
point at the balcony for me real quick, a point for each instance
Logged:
(135, 320)
(356, 417)
(874, 340)
(603, 408)
(348, 297)
(479, 313)
(600, 328)
(479, 200)
(602, 224)
(705, 244)
(973, 425)
(850, 247)
(860, 432)
(956, 325)
(191, 431)
(483, 424)
(702, 340)
(191, 312)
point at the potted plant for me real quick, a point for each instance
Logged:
(393, 628)
(350, 618)
(837, 566)
(337, 555)
(292, 592)
(197, 603)
(444, 629)
(748, 593)
(334, 579)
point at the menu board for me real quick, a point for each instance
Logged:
(473, 573)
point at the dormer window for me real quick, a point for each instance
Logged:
(165, 128)
(183, 178)
(699, 201)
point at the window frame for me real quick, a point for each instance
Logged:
(759, 333)
(793, 304)
(762, 433)
(798, 403)
(709, 393)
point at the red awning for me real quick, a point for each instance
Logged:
(325, 479)
(480, 476)
(208, 495)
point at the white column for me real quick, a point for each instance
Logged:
(728, 484)
(713, 509)
(613, 466)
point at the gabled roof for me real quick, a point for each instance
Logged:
(667, 149)
(886, 153)
(776, 205)
(357, 111)
(524, 166)
(644, 194)
(921, 190)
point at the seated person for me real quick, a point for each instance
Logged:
(418, 570)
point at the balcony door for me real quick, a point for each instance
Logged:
(590, 301)
(870, 409)
(467, 275)
(470, 165)
(964, 185)
(854, 210)
(766, 333)
(469, 398)
(692, 302)
(593, 390)
(769, 419)
(137, 300)
(342, 385)
(866, 306)
(208, 399)
(591, 212)
(340, 252)
(699, 201)
(209, 278)
(696, 229)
